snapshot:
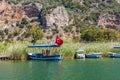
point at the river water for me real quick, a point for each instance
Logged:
(88, 69)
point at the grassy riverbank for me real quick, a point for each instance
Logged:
(16, 50)
(19, 50)
(69, 49)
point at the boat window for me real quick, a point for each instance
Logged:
(56, 51)
(47, 52)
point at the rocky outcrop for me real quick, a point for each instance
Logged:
(55, 17)
(14, 18)
(118, 1)
(10, 13)
(33, 10)
(58, 17)
(109, 21)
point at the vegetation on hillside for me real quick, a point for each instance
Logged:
(36, 33)
(97, 34)
(87, 12)
(85, 15)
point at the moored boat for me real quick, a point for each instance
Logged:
(44, 55)
(79, 54)
(47, 53)
(114, 55)
(93, 55)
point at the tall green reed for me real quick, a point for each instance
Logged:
(68, 49)
(16, 50)
(19, 50)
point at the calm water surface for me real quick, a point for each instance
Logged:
(88, 69)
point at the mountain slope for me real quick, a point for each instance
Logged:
(67, 18)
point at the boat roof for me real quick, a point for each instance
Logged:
(43, 45)
(80, 50)
(116, 46)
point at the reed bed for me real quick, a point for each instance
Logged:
(68, 49)
(19, 50)
(16, 50)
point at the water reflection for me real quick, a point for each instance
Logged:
(88, 69)
(44, 69)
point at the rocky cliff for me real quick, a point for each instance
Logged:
(109, 21)
(10, 13)
(57, 17)
(67, 18)
(118, 1)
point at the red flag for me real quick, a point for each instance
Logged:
(58, 41)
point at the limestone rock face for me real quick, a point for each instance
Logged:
(58, 17)
(109, 21)
(118, 1)
(32, 10)
(9, 13)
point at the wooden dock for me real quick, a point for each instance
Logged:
(4, 57)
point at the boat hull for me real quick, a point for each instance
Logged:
(114, 55)
(79, 56)
(93, 55)
(34, 56)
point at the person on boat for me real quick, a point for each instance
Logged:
(56, 51)
(47, 52)
(43, 52)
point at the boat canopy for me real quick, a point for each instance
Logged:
(116, 46)
(80, 50)
(43, 45)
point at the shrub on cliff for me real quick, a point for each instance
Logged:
(36, 33)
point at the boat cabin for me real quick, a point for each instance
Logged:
(48, 52)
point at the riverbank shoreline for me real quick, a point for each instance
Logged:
(18, 50)
(64, 58)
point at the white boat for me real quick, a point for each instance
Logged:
(79, 54)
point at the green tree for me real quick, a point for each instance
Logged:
(87, 35)
(97, 34)
(36, 33)
(110, 34)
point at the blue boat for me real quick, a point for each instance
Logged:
(93, 55)
(114, 55)
(45, 55)
(118, 47)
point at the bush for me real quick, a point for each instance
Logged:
(36, 33)
(16, 32)
(68, 28)
(6, 31)
(21, 26)
(94, 34)
(118, 36)
(76, 39)
(55, 31)
(94, 16)
(24, 21)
